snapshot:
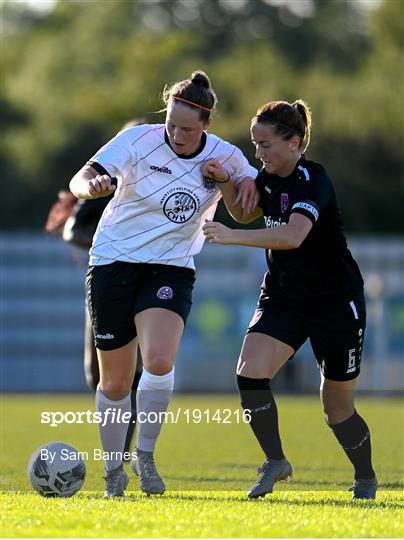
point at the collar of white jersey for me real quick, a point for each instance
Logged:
(189, 156)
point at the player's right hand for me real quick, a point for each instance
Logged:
(248, 195)
(100, 186)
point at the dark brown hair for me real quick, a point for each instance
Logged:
(288, 119)
(196, 89)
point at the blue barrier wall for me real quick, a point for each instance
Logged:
(42, 317)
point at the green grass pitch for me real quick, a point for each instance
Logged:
(208, 467)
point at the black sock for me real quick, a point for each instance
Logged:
(133, 418)
(354, 436)
(256, 395)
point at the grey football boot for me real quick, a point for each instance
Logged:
(144, 467)
(272, 471)
(364, 488)
(116, 482)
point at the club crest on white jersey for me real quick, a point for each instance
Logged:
(180, 205)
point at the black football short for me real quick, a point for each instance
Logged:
(335, 327)
(117, 292)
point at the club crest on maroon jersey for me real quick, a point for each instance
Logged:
(165, 293)
(284, 202)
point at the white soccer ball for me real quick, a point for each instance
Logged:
(56, 470)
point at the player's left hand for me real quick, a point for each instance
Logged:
(217, 233)
(248, 195)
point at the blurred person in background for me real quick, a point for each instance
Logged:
(141, 274)
(313, 289)
(76, 221)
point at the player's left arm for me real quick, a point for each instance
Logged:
(288, 236)
(314, 196)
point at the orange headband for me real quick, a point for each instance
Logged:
(192, 103)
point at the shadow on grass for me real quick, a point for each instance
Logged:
(301, 468)
(197, 479)
(392, 485)
(294, 485)
(315, 484)
(330, 501)
(267, 501)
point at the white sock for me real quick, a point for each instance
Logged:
(112, 434)
(153, 396)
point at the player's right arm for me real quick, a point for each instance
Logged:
(240, 203)
(89, 184)
(241, 199)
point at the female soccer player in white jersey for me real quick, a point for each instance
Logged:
(313, 289)
(141, 274)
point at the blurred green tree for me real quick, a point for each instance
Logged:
(72, 77)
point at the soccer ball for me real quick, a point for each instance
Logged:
(56, 470)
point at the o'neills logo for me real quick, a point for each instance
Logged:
(164, 170)
(105, 336)
(179, 205)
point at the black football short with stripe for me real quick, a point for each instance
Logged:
(117, 292)
(334, 325)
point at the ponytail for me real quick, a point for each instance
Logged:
(305, 113)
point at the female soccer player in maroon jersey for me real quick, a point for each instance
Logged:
(313, 289)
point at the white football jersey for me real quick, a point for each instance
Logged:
(162, 199)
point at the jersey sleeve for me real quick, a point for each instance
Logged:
(314, 194)
(239, 167)
(116, 156)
